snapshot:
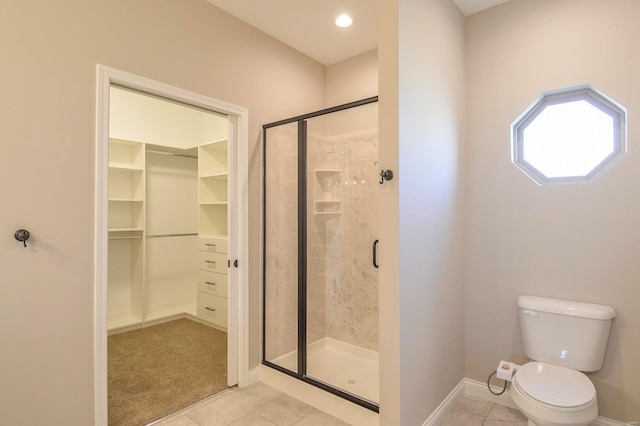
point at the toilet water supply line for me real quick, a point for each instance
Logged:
(505, 371)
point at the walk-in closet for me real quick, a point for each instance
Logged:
(168, 284)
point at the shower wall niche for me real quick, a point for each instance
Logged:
(321, 217)
(326, 194)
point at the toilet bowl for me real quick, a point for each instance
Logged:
(549, 395)
(563, 338)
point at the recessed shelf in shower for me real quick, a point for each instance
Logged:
(327, 192)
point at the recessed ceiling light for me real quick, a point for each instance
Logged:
(344, 21)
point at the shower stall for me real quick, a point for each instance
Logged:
(320, 278)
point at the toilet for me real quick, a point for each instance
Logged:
(563, 339)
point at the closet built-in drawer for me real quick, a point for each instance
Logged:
(213, 244)
(212, 283)
(212, 309)
(213, 262)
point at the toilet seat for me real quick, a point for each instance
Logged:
(542, 414)
(554, 385)
(549, 395)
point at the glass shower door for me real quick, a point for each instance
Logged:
(342, 180)
(320, 288)
(281, 272)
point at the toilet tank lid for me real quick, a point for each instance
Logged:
(566, 307)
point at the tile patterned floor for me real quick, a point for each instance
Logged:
(262, 405)
(472, 411)
(255, 405)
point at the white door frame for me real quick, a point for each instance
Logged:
(239, 129)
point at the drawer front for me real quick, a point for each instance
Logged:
(212, 283)
(216, 245)
(213, 262)
(212, 309)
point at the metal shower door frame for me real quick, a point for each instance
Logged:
(301, 373)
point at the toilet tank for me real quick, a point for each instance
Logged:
(565, 333)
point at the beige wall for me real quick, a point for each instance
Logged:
(353, 79)
(49, 56)
(46, 170)
(577, 241)
(421, 139)
(389, 296)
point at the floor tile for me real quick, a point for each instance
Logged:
(475, 405)
(502, 413)
(179, 421)
(261, 405)
(460, 417)
(226, 410)
(251, 419)
(260, 392)
(184, 414)
(318, 418)
(284, 410)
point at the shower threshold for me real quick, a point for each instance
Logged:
(341, 365)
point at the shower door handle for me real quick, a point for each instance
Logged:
(375, 254)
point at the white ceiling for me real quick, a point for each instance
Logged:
(308, 25)
(469, 7)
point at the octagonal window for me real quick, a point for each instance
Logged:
(570, 135)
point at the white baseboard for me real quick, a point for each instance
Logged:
(442, 411)
(479, 389)
(254, 376)
(603, 421)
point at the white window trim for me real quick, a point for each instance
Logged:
(583, 92)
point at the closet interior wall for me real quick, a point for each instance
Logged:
(171, 232)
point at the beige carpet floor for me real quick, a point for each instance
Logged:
(158, 370)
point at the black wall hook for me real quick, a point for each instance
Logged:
(22, 235)
(385, 175)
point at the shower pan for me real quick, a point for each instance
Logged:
(320, 295)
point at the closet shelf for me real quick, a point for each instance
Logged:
(214, 203)
(124, 168)
(112, 230)
(215, 176)
(126, 200)
(214, 144)
(213, 198)
(126, 155)
(201, 235)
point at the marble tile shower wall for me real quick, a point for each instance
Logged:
(342, 284)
